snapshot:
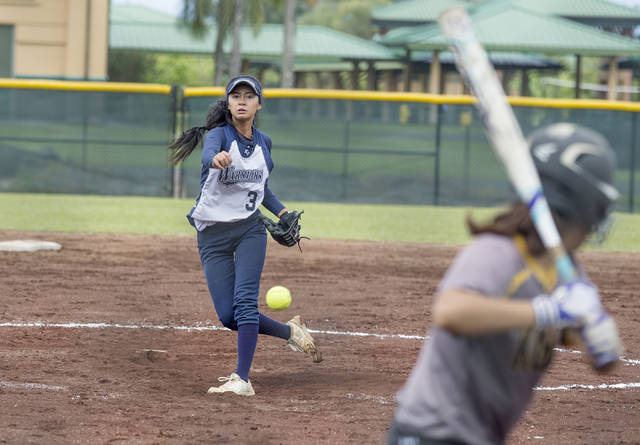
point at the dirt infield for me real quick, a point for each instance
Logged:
(114, 339)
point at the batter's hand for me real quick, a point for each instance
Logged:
(571, 305)
(602, 341)
(222, 160)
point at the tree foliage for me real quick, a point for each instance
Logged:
(172, 69)
(349, 16)
(128, 66)
(274, 9)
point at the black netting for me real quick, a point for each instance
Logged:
(391, 152)
(111, 143)
(330, 150)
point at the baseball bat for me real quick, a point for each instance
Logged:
(504, 131)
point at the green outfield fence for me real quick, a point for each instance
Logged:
(328, 145)
(85, 137)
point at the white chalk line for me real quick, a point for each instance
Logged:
(578, 386)
(368, 334)
(21, 386)
(202, 327)
(386, 400)
(209, 327)
(14, 385)
(382, 400)
(43, 324)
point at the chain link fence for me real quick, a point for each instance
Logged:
(328, 146)
(405, 148)
(85, 138)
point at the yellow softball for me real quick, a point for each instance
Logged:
(278, 298)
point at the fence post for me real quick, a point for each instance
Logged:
(467, 163)
(179, 111)
(345, 153)
(465, 121)
(173, 131)
(632, 161)
(436, 173)
(85, 128)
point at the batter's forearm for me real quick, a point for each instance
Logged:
(466, 313)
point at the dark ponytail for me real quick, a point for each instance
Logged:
(182, 147)
(514, 221)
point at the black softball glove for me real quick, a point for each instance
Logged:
(287, 230)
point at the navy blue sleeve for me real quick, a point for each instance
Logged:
(212, 145)
(270, 201)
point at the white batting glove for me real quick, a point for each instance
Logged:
(602, 341)
(571, 305)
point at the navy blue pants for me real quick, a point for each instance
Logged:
(232, 256)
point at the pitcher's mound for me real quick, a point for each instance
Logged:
(28, 245)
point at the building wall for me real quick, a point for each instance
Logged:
(50, 38)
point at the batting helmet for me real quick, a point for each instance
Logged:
(576, 167)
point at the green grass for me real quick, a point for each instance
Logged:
(165, 216)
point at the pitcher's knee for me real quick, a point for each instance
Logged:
(247, 315)
(229, 322)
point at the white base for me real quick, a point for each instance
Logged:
(28, 245)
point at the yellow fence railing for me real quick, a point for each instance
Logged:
(116, 87)
(299, 93)
(304, 93)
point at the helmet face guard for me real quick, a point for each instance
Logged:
(601, 233)
(576, 168)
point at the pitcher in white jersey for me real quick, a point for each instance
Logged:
(499, 310)
(232, 241)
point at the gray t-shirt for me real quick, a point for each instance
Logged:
(474, 389)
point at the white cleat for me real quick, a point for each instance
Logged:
(301, 340)
(235, 384)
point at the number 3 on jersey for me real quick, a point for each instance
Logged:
(251, 205)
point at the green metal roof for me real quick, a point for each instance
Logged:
(408, 34)
(602, 12)
(410, 12)
(588, 11)
(345, 66)
(501, 60)
(138, 14)
(505, 26)
(312, 42)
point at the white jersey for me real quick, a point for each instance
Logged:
(234, 193)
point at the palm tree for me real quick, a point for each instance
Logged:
(224, 12)
(288, 45)
(289, 40)
(228, 14)
(236, 55)
(196, 15)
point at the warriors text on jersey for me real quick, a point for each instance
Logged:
(235, 193)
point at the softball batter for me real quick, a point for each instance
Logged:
(499, 311)
(232, 241)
